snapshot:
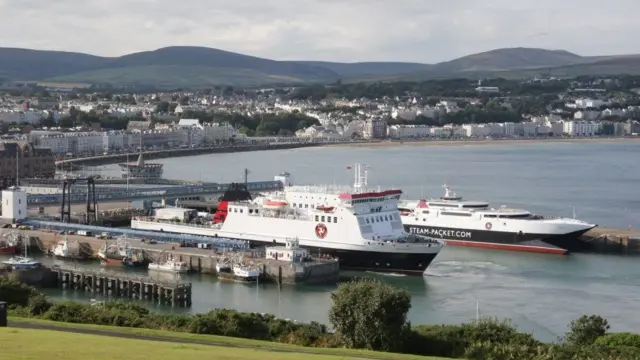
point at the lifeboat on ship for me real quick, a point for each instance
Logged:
(274, 204)
(325, 208)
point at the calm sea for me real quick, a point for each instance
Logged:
(539, 293)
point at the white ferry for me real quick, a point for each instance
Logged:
(360, 227)
(476, 224)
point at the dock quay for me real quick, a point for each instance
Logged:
(185, 248)
(112, 284)
(612, 241)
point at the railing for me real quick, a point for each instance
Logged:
(166, 191)
(216, 242)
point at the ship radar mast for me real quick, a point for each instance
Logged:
(360, 177)
(448, 194)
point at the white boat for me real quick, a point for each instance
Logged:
(237, 272)
(170, 266)
(22, 262)
(62, 251)
(476, 224)
(360, 227)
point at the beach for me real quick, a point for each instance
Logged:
(385, 143)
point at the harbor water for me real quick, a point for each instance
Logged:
(539, 293)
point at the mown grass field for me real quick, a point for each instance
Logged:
(117, 342)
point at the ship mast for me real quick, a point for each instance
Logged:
(360, 177)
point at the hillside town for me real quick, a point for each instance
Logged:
(71, 124)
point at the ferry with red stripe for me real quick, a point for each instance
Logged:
(359, 227)
(476, 224)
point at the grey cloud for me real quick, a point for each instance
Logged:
(338, 30)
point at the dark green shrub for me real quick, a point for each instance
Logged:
(68, 311)
(453, 340)
(15, 293)
(370, 314)
(616, 340)
(585, 330)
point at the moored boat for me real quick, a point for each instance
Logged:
(9, 244)
(237, 272)
(22, 262)
(170, 266)
(121, 254)
(62, 251)
(7, 248)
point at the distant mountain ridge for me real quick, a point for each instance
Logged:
(191, 66)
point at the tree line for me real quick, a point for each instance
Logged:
(284, 124)
(365, 314)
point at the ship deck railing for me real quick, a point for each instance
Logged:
(331, 189)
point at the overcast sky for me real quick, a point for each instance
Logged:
(335, 30)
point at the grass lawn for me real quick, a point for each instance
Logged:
(28, 344)
(217, 347)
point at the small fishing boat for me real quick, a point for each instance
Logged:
(170, 266)
(62, 251)
(121, 254)
(237, 272)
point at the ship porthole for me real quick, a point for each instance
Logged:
(377, 264)
(420, 265)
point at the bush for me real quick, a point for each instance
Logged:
(585, 330)
(454, 340)
(371, 315)
(15, 293)
(616, 340)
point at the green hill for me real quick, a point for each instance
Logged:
(189, 66)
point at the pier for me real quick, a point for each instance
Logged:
(123, 286)
(612, 241)
(199, 259)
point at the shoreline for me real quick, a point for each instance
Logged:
(167, 154)
(465, 142)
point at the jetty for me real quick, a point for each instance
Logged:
(123, 286)
(612, 241)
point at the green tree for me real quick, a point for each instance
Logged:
(586, 329)
(370, 314)
(162, 107)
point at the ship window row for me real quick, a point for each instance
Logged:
(455, 213)
(306, 206)
(380, 218)
(443, 205)
(516, 216)
(326, 219)
(369, 200)
(236, 210)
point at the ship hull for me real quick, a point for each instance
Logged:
(107, 261)
(389, 258)
(8, 250)
(401, 263)
(559, 244)
(72, 258)
(232, 277)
